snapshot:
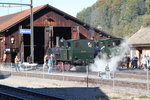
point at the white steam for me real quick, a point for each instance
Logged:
(100, 64)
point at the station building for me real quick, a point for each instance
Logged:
(49, 23)
(140, 43)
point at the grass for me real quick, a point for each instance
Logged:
(115, 97)
(101, 97)
(127, 99)
(144, 97)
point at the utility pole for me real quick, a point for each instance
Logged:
(32, 32)
(31, 26)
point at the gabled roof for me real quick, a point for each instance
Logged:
(141, 37)
(10, 20)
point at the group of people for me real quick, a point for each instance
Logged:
(133, 62)
(48, 60)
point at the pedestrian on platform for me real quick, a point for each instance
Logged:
(107, 71)
(17, 63)
(135, 62)
(148, 61)
(127, 61)
(50, 64)
(145, 63)
(4, 58)
(45, 61)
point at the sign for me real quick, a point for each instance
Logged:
(25, 31)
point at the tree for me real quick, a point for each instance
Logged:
(118, 17)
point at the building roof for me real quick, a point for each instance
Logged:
(141, 37)
(10, 20)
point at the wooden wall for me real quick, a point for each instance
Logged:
(56, 20)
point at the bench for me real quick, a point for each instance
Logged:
(26, 65)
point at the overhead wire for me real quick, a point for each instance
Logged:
(8, 6)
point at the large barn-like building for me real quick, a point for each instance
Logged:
(49, 23)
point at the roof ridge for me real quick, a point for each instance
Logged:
(23, 14)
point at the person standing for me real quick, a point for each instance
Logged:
(50, 64)
(17, 63)
(144, 62)
(45, 61)
(135, 61)
(127, 61)
(148, 62)
(4, 58)
(107, 71)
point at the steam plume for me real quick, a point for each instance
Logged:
(101, 63)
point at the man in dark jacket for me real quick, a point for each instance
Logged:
(135, 61)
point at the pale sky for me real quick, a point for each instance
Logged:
(71, 7)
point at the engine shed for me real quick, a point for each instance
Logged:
(50, 25)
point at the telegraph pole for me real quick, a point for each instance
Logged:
(32, 32)
(31, 26)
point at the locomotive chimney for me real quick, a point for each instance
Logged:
(57, 41)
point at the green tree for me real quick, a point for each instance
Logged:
(146, 21)
(118, 17)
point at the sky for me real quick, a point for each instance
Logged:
(72, 7)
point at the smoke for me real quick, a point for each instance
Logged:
(101, 63)
(94, 17)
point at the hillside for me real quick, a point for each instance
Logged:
(117, 17)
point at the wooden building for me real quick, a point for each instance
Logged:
(49, 23)
(140, 43)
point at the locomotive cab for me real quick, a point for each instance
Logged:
(110, 47)
(78, 51)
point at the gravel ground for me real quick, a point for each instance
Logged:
(75, 89)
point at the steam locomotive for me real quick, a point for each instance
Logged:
(82, 52)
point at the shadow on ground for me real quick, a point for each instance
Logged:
(77, 93)
(4, 75)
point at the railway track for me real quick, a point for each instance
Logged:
(135, 79)
(5, 96)
(13, 93)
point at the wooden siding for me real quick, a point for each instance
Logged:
(57, 20)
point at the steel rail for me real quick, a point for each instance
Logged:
(28, 92)
(9, 96)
